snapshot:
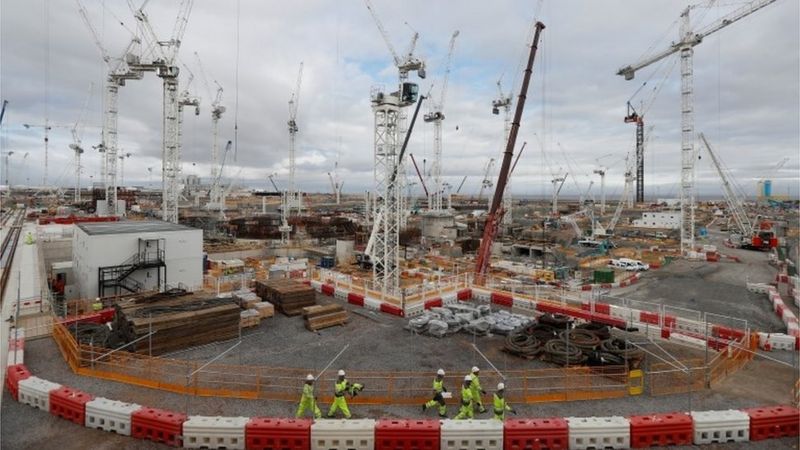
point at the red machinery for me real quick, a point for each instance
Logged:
(495, 216)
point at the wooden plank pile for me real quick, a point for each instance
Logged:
(324, 316)
(246, 298)
(288, 296)
(179, 321)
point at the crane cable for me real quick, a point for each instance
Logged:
(236, 87)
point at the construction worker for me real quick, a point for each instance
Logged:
(438, 398)
(500, 405)
(341, 388)
(477, 391)
(308, 400)
(465, 412)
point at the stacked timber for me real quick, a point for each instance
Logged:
(323, 316)
(288, 296)
(246, 298)
(178, 322)
(250, 318)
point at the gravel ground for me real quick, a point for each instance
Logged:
(378, 343)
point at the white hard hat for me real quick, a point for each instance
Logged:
(309, 377)
(440, 372)
(467, 378)
(500, 386)
(341, 373)
(475, 369)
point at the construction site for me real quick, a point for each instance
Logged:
(365, 274)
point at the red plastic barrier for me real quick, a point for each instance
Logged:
(264, 433)
(434, 303)
(550, 308)
(586, 287)
(158, 425)
(69, 404)
(670, 321)
(536, 434)
(327, 289)
(407, 434)
(75, 219)
(661, 430)
(726, 333)
(624, 283)
(605, 286)
(464, 294)
(391, 309)
(605, 319)
(15, 374)
(648, 317)
(602, 308)
(665, 333)
(502, 299)
(355, 299)
(773, 422)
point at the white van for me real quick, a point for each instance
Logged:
(631, 265)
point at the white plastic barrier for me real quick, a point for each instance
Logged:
(110, 415)
(340, 293)
(720, 426)
(690, 326)
(414, 310)
(652, 331)
(758, 288)
(524, 303)
(15, 357)
(214, 432)
(450, 298)
(481, 295)
(317, 285)
(776, 341)
(372, 303)
(328, 434)
(688, 340)
(471, 435)
(598, 432)
(35, 392)
(620, 312)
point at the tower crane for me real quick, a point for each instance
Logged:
(119, 72)
(336, 184)
(215, 195)
(122, 159)
(159, 56)
(495, 216)
(634, 117)
(436, 115)
(558, 183)
(624, 198)
(503, 102)
(687, 40)
(389, 198)
(486, 182)
(295, 199)
(272, 180)
(186, 99)
(76, 145)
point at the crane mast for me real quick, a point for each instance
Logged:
(437, 116)
(388, 210)
(495, 215)
(295, 198)
(688, 39)
(486, 182)
(503, 102)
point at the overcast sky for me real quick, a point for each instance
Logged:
(746, 88)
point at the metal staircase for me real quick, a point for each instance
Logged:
(115, 280)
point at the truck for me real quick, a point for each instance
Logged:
(630, 265)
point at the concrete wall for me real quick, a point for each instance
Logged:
(183, 255)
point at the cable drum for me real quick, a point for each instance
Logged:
(562, 353)
(621, 348)
(580, 338)
(602, 331)
(521, 344)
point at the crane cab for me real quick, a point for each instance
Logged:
(409, 93)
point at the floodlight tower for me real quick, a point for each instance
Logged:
(388, 211)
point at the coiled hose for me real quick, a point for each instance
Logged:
(583, 339)
(562, 353)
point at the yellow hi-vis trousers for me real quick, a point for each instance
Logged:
(339, 403)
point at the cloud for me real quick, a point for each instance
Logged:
(746, 88)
